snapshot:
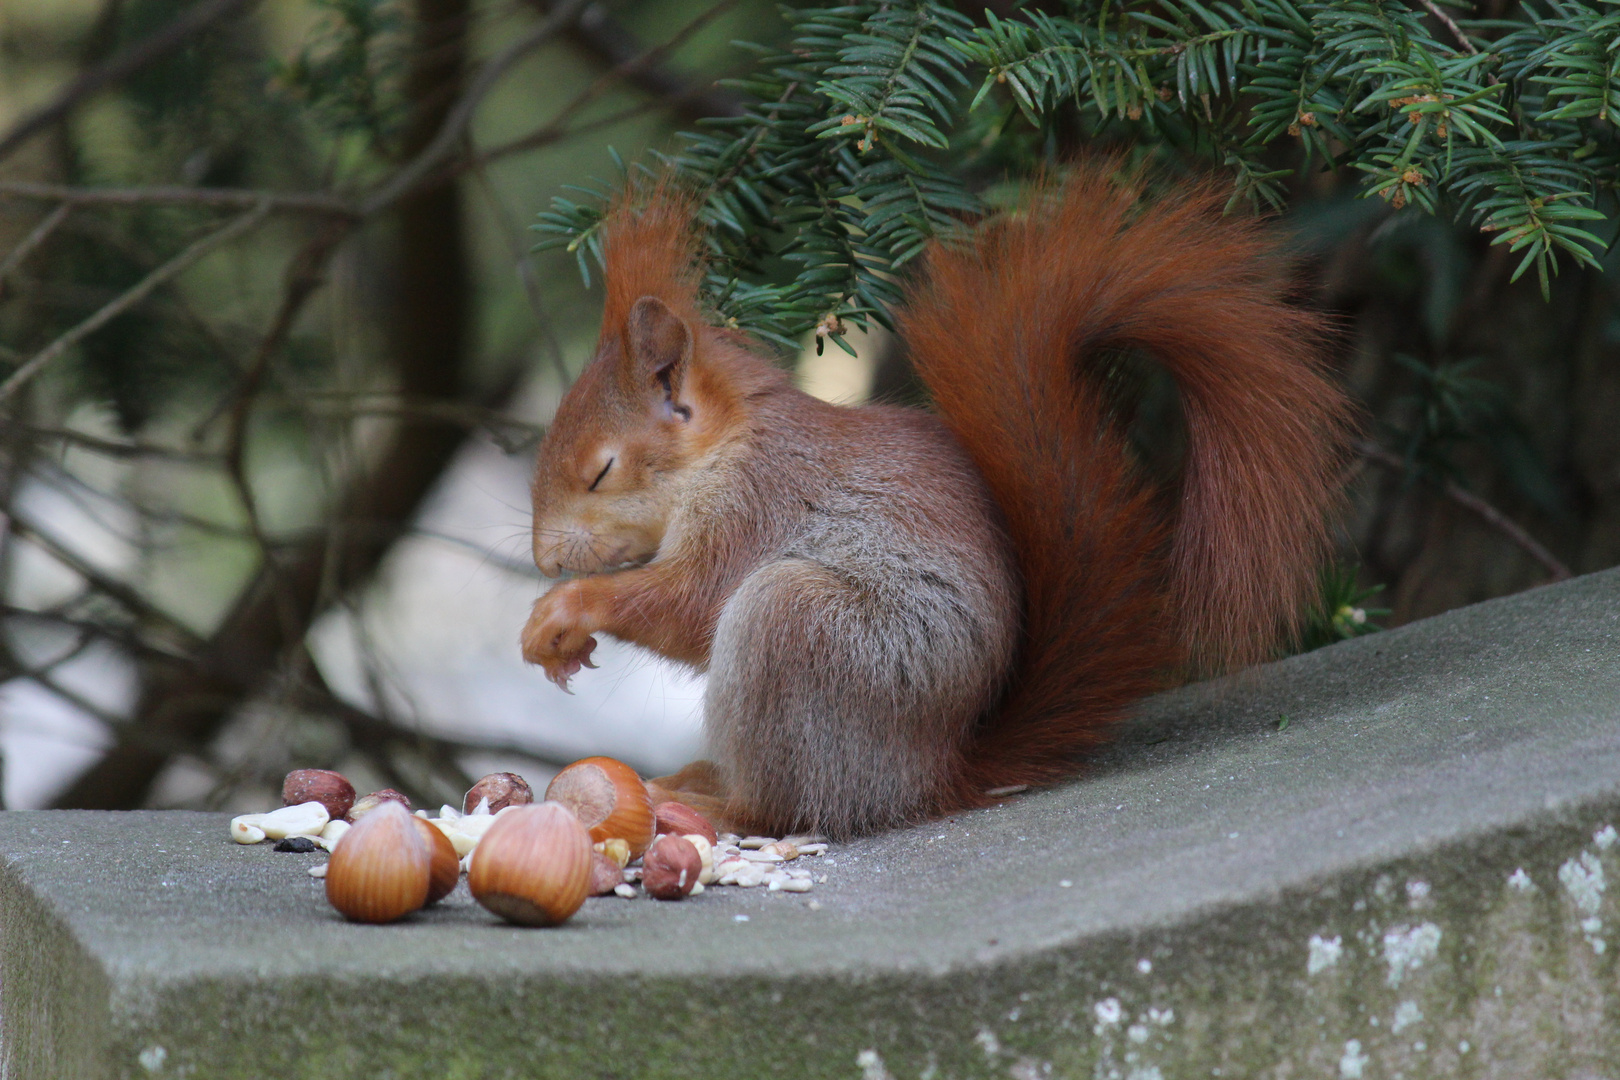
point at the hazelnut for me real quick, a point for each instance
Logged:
(682, 820)
(608, 798)
(605, 874)
(533, 865)
(332, 790)
(445, 870)
(382, 869)
(366, 803)
(500, 790)
(671, 867)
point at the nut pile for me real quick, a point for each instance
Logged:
(596, 833)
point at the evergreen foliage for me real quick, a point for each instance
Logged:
(860, 141)
(1341, 612)
(348, 73)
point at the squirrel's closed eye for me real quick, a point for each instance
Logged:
(601, 474)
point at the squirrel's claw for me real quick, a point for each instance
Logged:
(556, 636)
(560, 671)
(562, 674)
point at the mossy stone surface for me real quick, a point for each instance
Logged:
(1414, 878)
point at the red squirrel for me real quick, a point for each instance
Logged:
(902, 611)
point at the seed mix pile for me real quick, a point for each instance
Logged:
(749, 862)
(321, 807)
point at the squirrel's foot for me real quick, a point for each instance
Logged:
(558, 634)
(700, 786)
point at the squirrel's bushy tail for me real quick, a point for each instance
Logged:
(1014, 335)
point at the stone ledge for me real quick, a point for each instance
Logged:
(1339, 898)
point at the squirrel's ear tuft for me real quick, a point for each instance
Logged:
(659, 342)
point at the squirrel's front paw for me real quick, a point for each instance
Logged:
(558, 633)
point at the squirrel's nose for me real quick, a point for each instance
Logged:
(547, 559)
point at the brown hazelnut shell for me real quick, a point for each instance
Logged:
(671, 867)
(331, 789)
(382, 868)
(608, 798)
(445, 869)
(533, 866)
(682, 820)
(502, 789)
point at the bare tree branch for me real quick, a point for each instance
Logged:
(108, 446)
(37, 236)
(305, 273)
(91, 499)
(630, 67)
(371, 733)
(132, 296)
(315, 202)
(602, 36)
(555, 131)
(461, 413)
(429, 327)
(1481, 509)
(197, 18)
(128, 598)
(125, 641)
(1456, 31)
(606, 40)
(454, 128)
(257, 646)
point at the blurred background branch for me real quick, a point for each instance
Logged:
(358, 125)
(193, 21)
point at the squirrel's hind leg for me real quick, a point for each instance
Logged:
(838, 702)
(698, 785)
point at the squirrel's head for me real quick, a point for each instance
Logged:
(614, 462)
(641, 423)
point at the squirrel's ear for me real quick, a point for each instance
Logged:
(660, 344)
